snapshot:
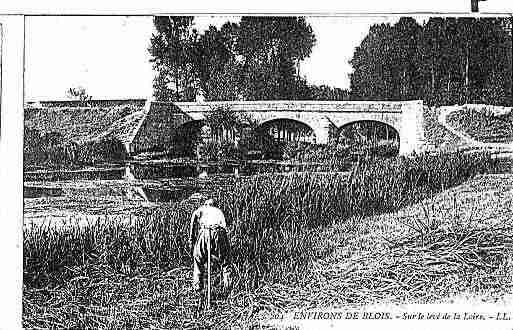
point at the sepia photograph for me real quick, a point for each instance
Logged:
(266, 171)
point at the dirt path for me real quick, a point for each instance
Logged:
(469, 141)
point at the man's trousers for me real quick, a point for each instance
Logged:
(219, 252)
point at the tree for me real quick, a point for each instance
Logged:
(429, 54)
(386, 62)
(272, 49)
(404, 58)
(493, 72)
(327, 93)
(372, 63)
(445, 61)
(216, 64)
(225, 84)
(257, 59)
(172, 54)
(78, 93)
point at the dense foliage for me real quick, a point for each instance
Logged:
(258, 58)
(445, 61)
(171, 51)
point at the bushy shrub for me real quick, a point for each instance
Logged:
(62, 155)
(32, 147)
(216, 151)
(294, 150)
(256, 142)
(98, 151)
(51, 150)
(48, 149)
(228, 150)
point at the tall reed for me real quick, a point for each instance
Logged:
(275, 221)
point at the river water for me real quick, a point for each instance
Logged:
(124, 190)
(151, 181)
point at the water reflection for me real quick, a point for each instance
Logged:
(165, 170)
(157, 195)
(42, 192)
(157, 182)
(112, 173)
(128, 192)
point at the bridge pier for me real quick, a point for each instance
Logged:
(411, 133)
(322, 131)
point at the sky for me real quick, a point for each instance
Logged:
(108, 54)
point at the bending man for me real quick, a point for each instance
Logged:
(206, 217)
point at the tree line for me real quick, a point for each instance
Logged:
(258, 58)
(444, 61)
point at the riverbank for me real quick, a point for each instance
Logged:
(278, 223)
(364, 257)
(85, 201)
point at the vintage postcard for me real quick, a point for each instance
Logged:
(259, 171)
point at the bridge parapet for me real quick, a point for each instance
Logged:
(101, 103)
(297, 106)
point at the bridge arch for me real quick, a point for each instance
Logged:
(288, 130)
(186, 137)
(368, 133)
(191, 127)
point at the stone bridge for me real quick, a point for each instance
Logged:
(162, 124)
